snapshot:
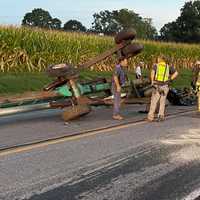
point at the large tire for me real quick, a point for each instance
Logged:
(174, 97)
(75, 112)
(125, 35)
(132, 50)
(62, 70)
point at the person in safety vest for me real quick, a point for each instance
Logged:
(196, 82)
(161, 75)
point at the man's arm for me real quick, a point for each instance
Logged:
(116, 80)
(174, 75)
(153, 72)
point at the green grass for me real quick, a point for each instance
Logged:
(11, 83)
(184, 79)
(14, 83)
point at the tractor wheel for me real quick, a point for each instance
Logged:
(132, 50)
(62, 70)
(75, 112)
(125, 35)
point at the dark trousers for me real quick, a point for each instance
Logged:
(117, 101)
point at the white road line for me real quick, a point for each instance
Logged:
(192, 196)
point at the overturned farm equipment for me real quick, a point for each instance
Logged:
(76, 97)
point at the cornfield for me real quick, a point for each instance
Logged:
(32, 50)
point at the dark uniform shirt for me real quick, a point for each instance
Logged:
(120, 73)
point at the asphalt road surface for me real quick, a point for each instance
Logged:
(142, 161)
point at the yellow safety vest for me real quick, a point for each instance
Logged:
(162, 72)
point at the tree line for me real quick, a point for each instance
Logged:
(186, 28)
(105, 22)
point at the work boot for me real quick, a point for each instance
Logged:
(117, 117)
(160, 118)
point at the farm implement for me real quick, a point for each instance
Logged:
(77, 97)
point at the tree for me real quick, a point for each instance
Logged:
(149, 30)
(55, 23)
(186, 28)
(169, 32)
(40, 18)
(74, 25)
(109, 22)
(105, 22)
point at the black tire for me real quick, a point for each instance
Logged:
(125, 35)
(62, 70)
(132, 50)
(75, 112)
(173, 97)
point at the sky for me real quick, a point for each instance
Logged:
(161, 11)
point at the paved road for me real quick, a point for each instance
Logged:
(155, 161)
(37, 126)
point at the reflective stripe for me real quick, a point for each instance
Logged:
(162, 72)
